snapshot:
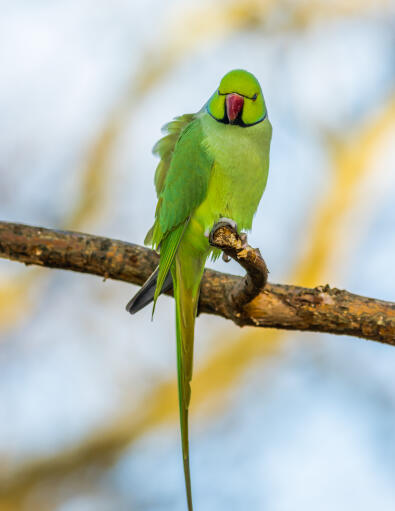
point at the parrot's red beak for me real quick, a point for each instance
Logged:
(234, 105)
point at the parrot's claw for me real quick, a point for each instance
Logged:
(225, 257)
(244, 240)
(228, 221)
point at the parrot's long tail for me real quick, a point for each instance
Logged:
(187, 274)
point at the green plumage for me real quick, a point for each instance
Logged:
(213, 164)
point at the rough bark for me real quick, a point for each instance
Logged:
(321, 309)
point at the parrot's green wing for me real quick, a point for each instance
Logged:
(184, 188)
(185, 161)
(165, 146)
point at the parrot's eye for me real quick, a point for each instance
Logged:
(254, 97)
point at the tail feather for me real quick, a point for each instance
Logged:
(145, 295)
(186, 278)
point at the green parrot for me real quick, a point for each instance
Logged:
(213, 167)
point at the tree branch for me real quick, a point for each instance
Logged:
(322, 309)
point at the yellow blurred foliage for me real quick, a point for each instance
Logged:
(352, 161)
(15, 298)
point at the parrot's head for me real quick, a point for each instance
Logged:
(238, 100)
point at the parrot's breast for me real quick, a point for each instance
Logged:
(239, 174)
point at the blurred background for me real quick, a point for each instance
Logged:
(279, 421)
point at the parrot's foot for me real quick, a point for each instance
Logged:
(222, 222)
(228, 222)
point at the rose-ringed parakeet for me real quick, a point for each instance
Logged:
(213, 165)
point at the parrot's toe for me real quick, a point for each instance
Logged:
(244, 239)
